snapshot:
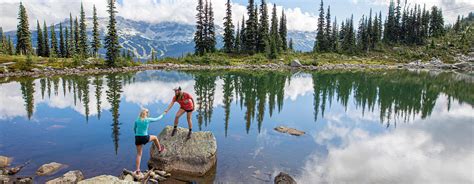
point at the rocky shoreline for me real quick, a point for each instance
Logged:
(434, 64)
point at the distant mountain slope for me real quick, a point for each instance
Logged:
(168, 39)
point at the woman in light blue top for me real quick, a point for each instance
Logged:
(141, 135)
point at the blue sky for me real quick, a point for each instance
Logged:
(301, 14)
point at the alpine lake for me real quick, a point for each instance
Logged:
(387, 126)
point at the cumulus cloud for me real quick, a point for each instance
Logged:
(154, 11)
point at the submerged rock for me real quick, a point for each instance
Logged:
(194, 157)
(48, 169)
(284, 178)
(105, 179)
(296, 63)
(69, 177)
(290, 131)
(5, 161)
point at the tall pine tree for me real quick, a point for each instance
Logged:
(327, 35)
(39, 40)
(77, 37)
(83, 34)
(23, 45)
(319, 43)
(211, 30)
(95, 34)
(250, 31)
(71, 39)
(283, 31)
(228, 29)
(237, 39)
(54, 42)
(199, 45)
(263, 28)
(111, 40)
(46, 49)
(274, 39)
(62, 44)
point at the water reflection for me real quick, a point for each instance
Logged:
(346, 114)
(398, 95)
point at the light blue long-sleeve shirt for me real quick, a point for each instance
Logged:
(141, 126)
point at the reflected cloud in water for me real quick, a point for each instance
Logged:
(434, 150)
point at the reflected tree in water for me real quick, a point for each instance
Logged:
(228, 91)
(28, 91)
(204, 87)
(114, 84)
(98, 82)
(399, 95)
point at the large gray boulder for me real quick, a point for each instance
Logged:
(194, 157)
(105, 179)
(69, 177)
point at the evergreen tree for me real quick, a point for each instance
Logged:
(375, 32)
(263, 28)
(83, 34)
(10, 50)
(250, 31)
(71, 40)
(23, 45)
(228, 29)
(46, 49)
(436, 22)
(62, 46)
(111, 40)
(319, 43)
(457, 25)
(66, 42)
(199, 34)
(290, 45)
(211, 31)
(39, 42)
(2, 41)
(348, 41)
(398, 15)
(327, 34)
(390, 30)
(54, 42)
(242, 35)
(237, 40)
(77, 37)
(274, 40)
(95, 34)
(370, 32)
(335, 36)
(283, 31)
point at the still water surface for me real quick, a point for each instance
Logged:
(362, 127)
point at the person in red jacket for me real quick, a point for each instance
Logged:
(186, 103)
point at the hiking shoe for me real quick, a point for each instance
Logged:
(174, 132)
(189, 135)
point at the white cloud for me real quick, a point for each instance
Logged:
(154, 11)
(299, 85)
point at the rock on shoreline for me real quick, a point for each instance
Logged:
(105, 179)
(194, 157)
(69, 177)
